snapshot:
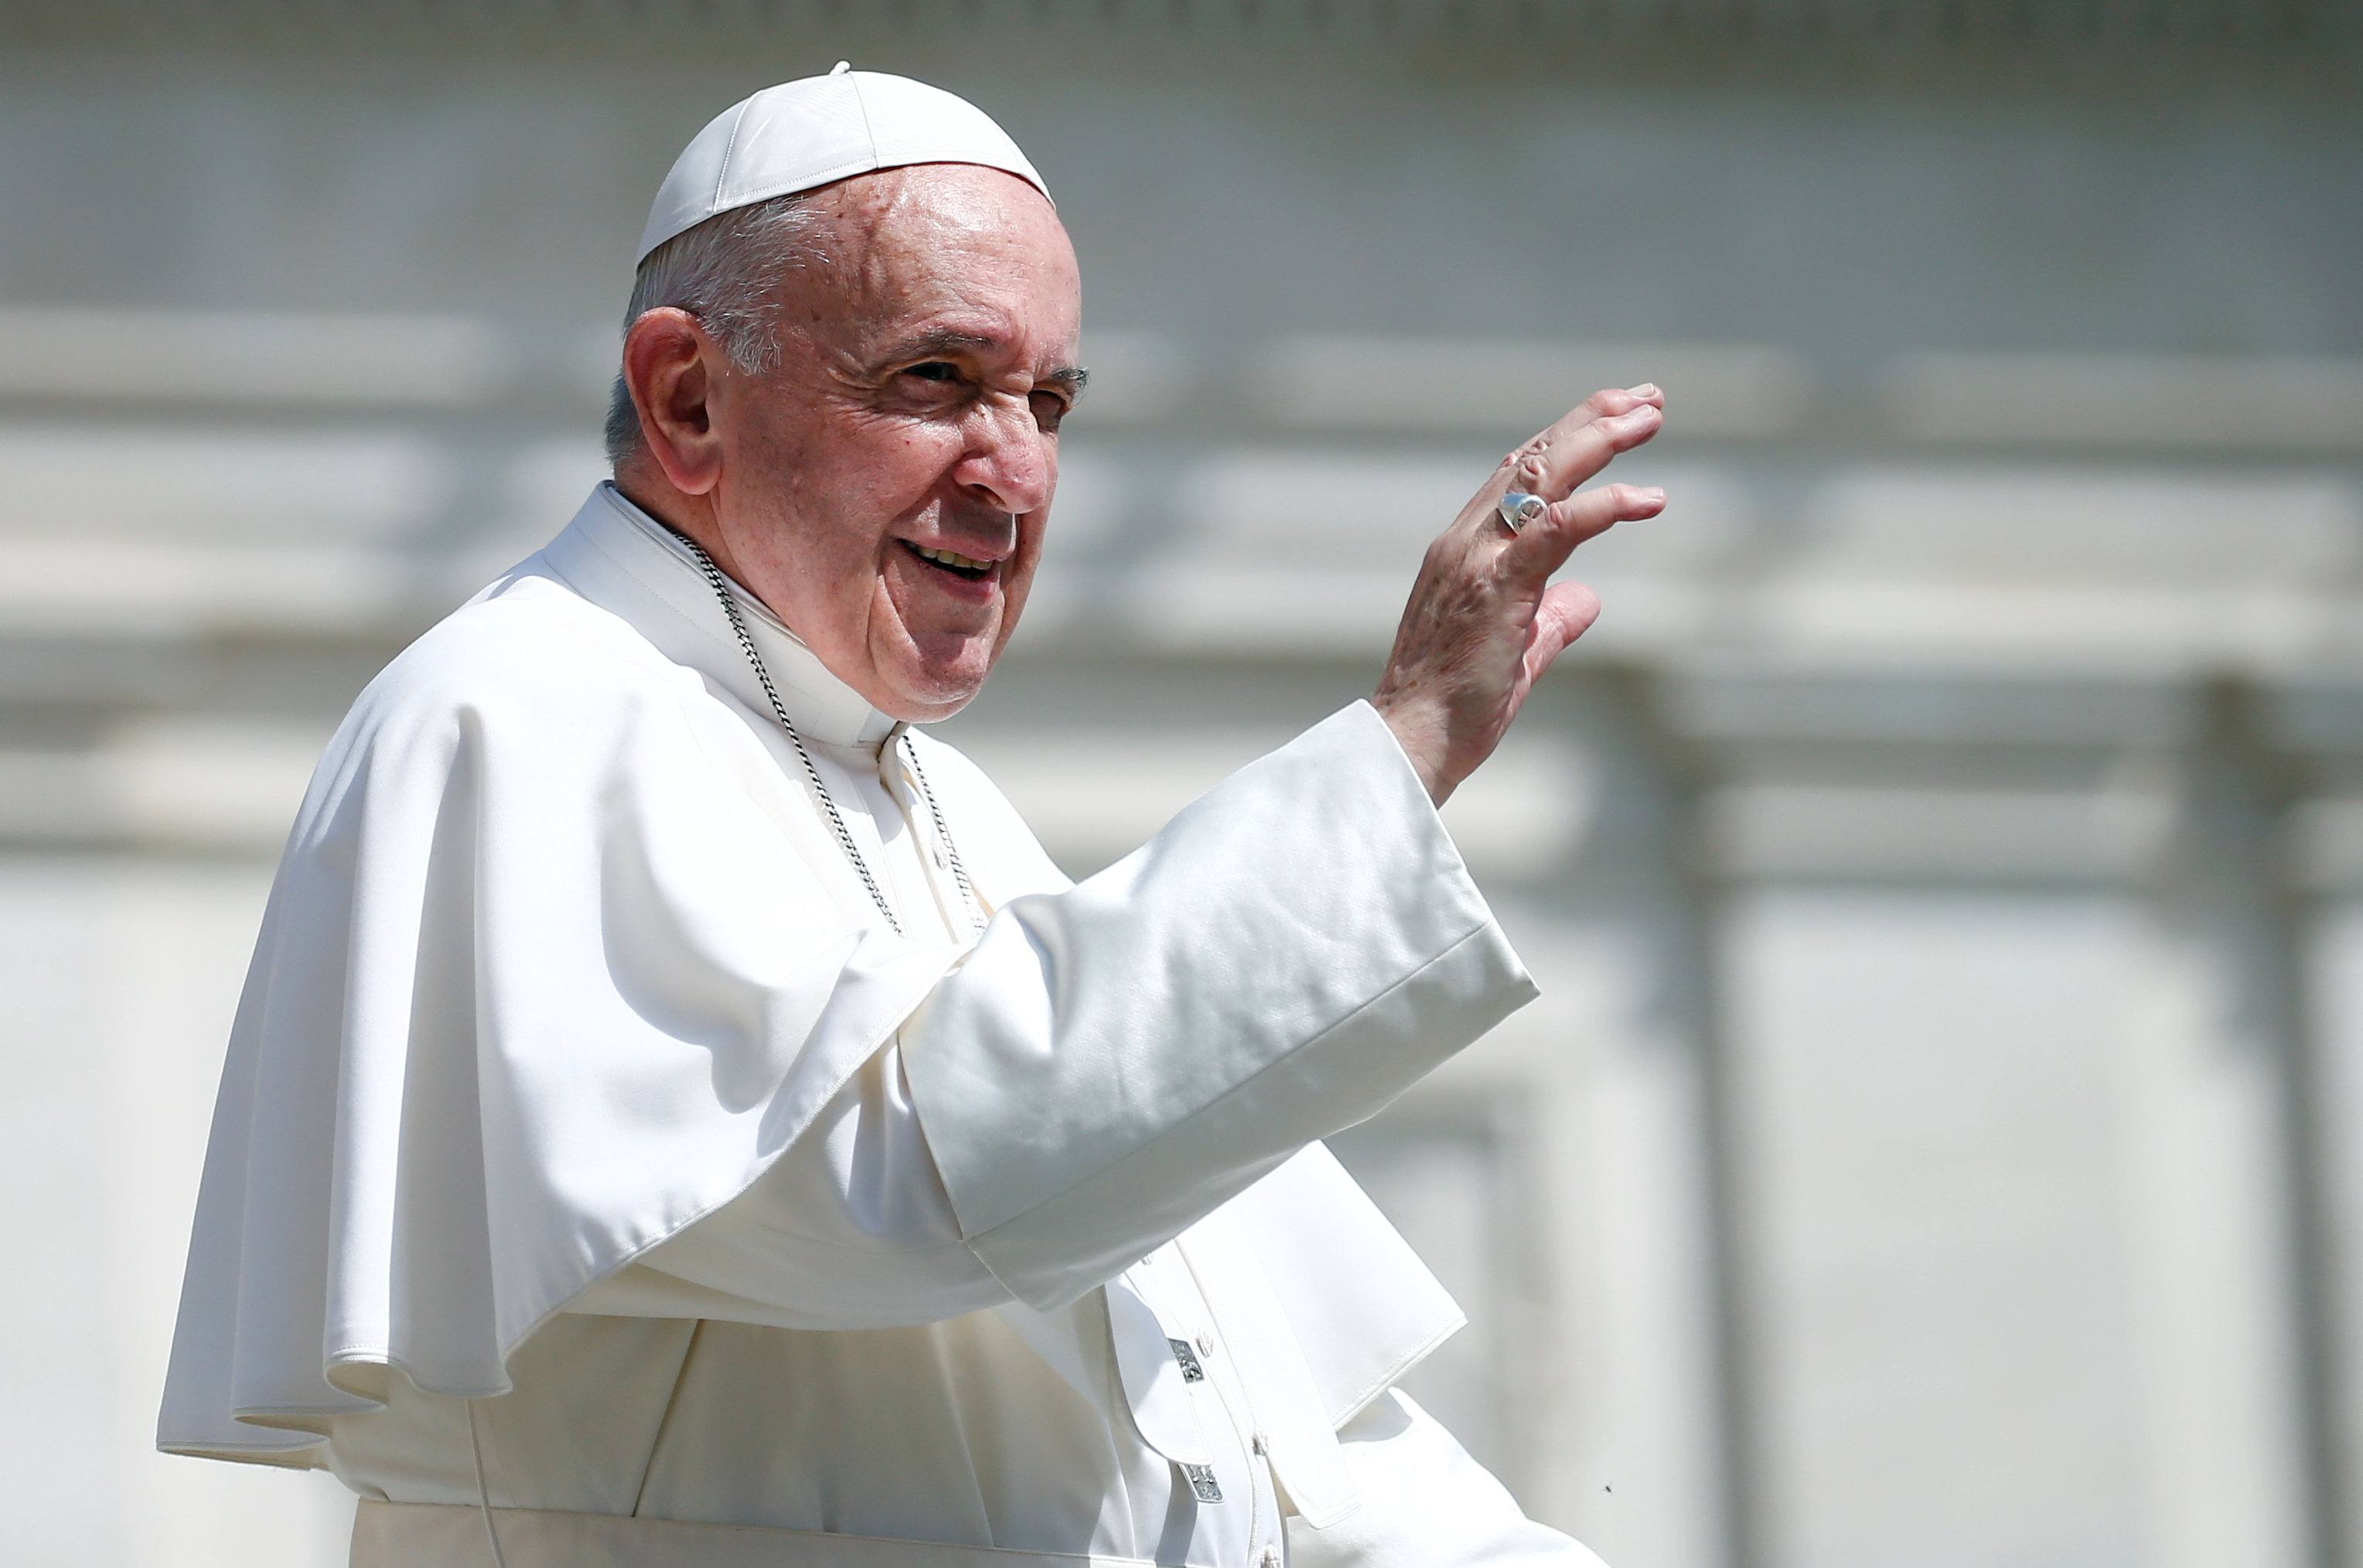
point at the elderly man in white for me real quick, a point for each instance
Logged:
(678, 1115)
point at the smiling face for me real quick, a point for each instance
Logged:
(885, 490)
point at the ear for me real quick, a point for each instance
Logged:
(672, 366)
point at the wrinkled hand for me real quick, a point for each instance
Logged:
(1484, 619)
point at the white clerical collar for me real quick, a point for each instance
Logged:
(621, 559)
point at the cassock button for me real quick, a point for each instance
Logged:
(1205, 1344)
(1271, 1558)
(1188, 1359)
(1259, 1444)
(1203, 1484)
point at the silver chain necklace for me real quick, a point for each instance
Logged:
(721, 587)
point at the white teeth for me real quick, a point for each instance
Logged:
(951, 557)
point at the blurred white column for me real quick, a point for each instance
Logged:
(117, 984)
(1935, 1300)
(2337, 972)
(1646, 1438)
(2213, 1316)
(1606, 1299)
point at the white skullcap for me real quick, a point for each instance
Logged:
(799, 135)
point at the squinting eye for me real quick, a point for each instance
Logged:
(935, 370)
(1048, 409)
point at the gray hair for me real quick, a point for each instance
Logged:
(726, 273)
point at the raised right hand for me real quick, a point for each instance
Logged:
(1485, 620)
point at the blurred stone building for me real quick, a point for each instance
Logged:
(1937, 1145)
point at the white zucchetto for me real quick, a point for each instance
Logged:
(802, 135)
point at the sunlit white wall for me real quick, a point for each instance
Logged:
(1934, 1144)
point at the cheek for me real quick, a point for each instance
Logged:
(896, 456)
(1033, 536)
(864, 467)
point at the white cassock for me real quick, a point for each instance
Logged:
(598, 1180)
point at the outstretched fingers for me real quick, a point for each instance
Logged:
(1611, 420)
(1544, 545)
(1485, 620)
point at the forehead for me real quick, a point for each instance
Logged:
(951, 246)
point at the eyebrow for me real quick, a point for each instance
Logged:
(942, 340)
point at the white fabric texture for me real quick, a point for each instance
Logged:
(626, 1102)
(803, 134)
(561, 958)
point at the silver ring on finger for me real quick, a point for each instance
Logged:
(1518, 508)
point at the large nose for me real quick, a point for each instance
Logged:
(1007, 462)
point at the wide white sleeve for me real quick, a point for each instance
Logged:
(1116, 1061)
(1426, 1504)
(850, 1229)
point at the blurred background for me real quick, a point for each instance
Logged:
(1937, 1145)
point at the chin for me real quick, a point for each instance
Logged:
(924, 689)
(921, 698)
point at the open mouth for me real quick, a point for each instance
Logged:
(958, 565)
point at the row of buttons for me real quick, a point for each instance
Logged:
(1192, 1355)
